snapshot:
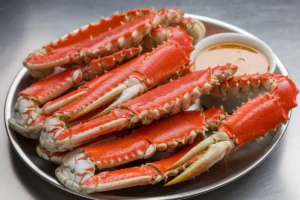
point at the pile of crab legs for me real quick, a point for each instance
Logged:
(130, 70)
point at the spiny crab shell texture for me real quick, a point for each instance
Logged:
(102, 38)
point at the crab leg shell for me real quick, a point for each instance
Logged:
(104, 26)
(102, 64)
(77, 173)
(143, 143)
(57, 157)
(124, 36)
(28, 118)
(204, 161)
(84, 180)
(52, 86)
(138, 75)
(151, 173)
(104, 89)
(255, 118)
(100, 45)
(95, 68)
(99, 27)
(214, 116)
(163, 165)
(177, 95)
(166, 134)
(57, 137)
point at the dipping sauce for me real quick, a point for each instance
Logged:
(248, 59)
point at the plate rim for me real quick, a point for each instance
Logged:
(188, 194)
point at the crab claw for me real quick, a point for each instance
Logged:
(211, 151)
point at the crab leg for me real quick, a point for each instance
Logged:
(254, 119)
(124, 31)
(166, 134)
(29, 117)
(94, 68)
(213, 116)
(170, 98)
(76, 37)
(57, 157)
(78, 173)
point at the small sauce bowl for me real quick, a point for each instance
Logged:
(239, 39)
(231, 103)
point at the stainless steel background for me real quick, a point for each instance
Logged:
(27, 25)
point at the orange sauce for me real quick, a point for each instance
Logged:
(248, 59)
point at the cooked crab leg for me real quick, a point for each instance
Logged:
(94, 68)
(170, 98)
(29, 117)
(73, 39)
(213, 116)
(163, 135)
(254, 119)
(82, 178)
(106, 37)
(57, 157)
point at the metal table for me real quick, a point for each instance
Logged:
(28, 25)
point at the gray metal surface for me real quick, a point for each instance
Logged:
(25, 26)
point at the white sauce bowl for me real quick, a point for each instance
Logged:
(236, 38)
(231, 103)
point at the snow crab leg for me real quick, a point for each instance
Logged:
(254, 119)
(100, 39)
(78, 167)
(57, 157)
